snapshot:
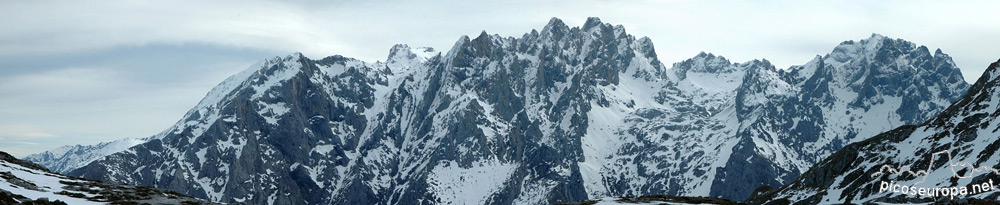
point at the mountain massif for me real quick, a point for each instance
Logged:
(561, 114)
(952, 156)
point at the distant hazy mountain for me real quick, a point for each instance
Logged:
(68, 158)
(561, 114)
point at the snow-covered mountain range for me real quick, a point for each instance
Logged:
(913, 163)
(561, 114)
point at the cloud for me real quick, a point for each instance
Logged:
(22, 143)
(22, 139)
(67, 84)
(118, 93)
(69, 26)
(23, 131)
(785, 32)
(19, 150)
(35, 135)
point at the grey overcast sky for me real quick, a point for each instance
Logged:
(83, 72)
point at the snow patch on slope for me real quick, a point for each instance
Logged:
(48, 184)
(473, 185)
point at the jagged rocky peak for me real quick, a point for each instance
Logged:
(872, 43)
(607, 50)
(555, 29)
(992, 73)
(703, 63)
(755, 70)
(591, 23)
(402, 57)
(646, 47)
(483, 46)
(254, 73)
(880, 65)
(865, 49)
(594, 26)
(707, 62)
(884, 50)
(403, 52)
(879, 46)
(981, 98)
(761, 83)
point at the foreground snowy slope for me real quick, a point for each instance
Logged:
(25, 182)
(561, 114)
(957, 149)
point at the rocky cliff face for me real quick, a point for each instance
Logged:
(957, 148)
(561, 114)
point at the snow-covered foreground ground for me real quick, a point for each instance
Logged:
(25, 182)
